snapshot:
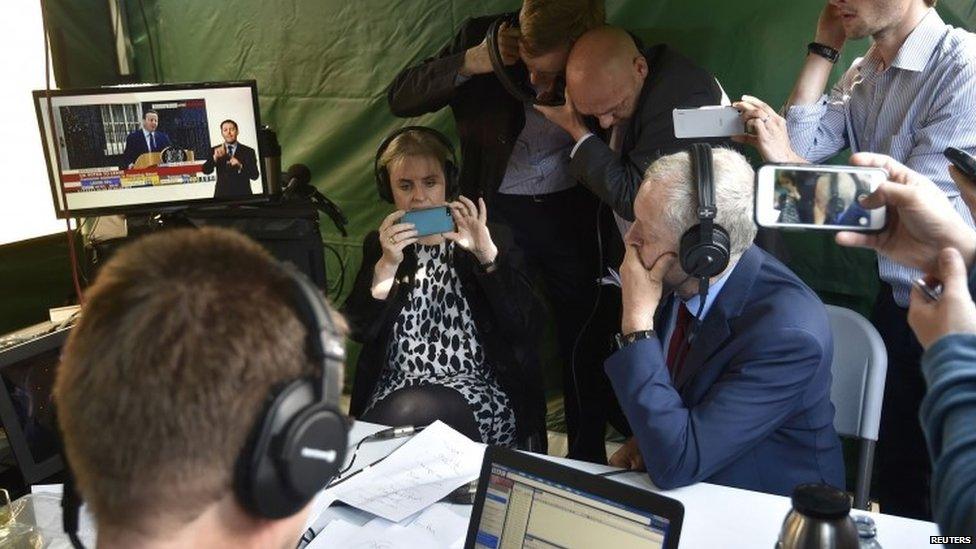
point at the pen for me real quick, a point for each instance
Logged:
(616, 472)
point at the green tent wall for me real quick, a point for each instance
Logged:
(322, 67)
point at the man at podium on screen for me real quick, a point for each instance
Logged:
(236, 164)
(144, 140)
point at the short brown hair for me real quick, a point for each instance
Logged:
(182, 338)
(550, 24)
(413, 143)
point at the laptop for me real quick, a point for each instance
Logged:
(526, 501)
(27, 372)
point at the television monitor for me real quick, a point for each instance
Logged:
(132, 149)
(27, 373)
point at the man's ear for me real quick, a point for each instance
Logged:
(640, 65)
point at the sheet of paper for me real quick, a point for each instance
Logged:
(382, 534)
(419, 473)
(335, 534)
(443, 524)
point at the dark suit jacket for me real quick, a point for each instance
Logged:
(751, 406)
(488, 119)
(230, 181)
(673, 81)
(135, 144)
(503, 308)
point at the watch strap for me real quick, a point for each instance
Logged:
(823, 50)
(623, 340)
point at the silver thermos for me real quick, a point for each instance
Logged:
(820, 519)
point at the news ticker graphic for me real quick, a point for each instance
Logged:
(111, 178)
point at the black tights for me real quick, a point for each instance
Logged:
(424, 404)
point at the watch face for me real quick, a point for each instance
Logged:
(170, 155)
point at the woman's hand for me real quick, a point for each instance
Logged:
(394, 237)
(472, 229)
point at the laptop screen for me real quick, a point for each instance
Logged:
(523, 510)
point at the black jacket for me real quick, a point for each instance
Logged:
(230, 181)
(503, 308)
(488, 119)
(673, 81)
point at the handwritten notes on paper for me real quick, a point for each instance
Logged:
(419, 473)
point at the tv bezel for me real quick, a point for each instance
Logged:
(151, 207)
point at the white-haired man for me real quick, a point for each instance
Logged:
(743, 399)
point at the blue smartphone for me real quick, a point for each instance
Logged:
(430, 221)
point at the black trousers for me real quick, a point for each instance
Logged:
(567, 245)
(904, 469)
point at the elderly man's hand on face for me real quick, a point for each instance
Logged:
(566, 117)
(920, 219)
(766, 131)
(641, 289)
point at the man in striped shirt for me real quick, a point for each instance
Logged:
(912, 95)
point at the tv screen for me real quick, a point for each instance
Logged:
(148, 148)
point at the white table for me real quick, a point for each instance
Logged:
(715, 516)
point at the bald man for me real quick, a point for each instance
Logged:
(630, 95)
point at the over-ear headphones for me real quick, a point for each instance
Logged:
(299, 442)
(704, 248)
(383, 184)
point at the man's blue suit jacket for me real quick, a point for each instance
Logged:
(751, 406)
(135, 144)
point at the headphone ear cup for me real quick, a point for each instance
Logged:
(687, 247)
(704, 259)
(312, 450)
(383, 185)
(258, 482)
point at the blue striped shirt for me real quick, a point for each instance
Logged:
(912, 110)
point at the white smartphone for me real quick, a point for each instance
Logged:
(709, 121)
(809, 196)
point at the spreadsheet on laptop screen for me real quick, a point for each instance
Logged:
(522, 510)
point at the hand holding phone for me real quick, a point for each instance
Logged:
(926, 221)
(817, 197)
(963, 161)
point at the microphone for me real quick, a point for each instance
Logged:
(298, 185)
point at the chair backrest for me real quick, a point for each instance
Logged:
(858, 369)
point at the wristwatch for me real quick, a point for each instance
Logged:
(823, 50)
(623, 340)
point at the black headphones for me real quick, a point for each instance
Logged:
(299, 441)
(383, 183)
(704, 248)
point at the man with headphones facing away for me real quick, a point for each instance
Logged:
(729, 380)
(197, 396)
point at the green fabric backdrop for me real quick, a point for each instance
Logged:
(322, 67)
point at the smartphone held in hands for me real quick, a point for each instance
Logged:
(430, 221)
(709, 121)
(818, 197)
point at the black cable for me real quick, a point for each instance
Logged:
(340, 284)
(589, 319)
(152, 47)
(355, 452)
